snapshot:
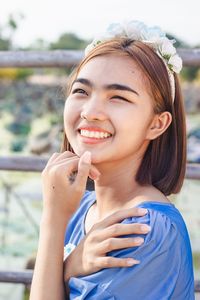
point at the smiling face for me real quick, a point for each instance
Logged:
(109, 110)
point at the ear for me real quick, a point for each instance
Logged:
(159, 125)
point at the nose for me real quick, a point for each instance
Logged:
(93, 110)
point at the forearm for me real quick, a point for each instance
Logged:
(61, 200)
(47, 281)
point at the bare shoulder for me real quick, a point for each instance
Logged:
(150, 193)
(156, 195)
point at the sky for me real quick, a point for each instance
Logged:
(47, 19)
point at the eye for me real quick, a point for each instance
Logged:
(79, 91)
(120, 97)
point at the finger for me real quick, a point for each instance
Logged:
(52, 158)
(57, 157)
(63, 155)
(64, 161)
(65, 169)
(113, 262)
(84, 166)
(94, 173)
(121, 215)
(123, 229)
(119, 243)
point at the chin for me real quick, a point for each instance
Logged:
(96, 157)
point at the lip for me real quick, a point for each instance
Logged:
(93, 140)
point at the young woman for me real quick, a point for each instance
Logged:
(124, 128)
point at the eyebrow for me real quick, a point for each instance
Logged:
(113, 86)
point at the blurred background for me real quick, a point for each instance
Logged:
(32, 100)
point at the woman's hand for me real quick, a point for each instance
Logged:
(64, 180)
(90, 255)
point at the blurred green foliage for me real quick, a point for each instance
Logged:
(18, 145)
(5, 44)
(8, 30)
(68, 41)
(187, 73)
(19, 128)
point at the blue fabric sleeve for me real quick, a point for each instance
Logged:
(164, 272)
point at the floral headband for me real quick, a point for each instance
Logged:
(152, 36)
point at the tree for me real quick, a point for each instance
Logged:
(187, 73)
(38, 44)
(8, 30)
(179, 43)
(68, 41)
(5, 44)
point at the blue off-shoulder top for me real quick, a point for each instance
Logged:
(165, 270)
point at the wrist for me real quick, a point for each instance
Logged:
(52, 220)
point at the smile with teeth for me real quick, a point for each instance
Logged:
(94, 134)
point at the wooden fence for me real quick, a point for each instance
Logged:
(60, 59)
(67, 58)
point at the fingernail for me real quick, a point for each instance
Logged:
(87, 157)
(142, 211)
(145, 228)
(131, 262)
(95, 174)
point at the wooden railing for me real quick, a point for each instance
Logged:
(60, 59)
(25, 277)
(37, 164)
(67, 58)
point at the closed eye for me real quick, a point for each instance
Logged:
(119, 97)
(79, 91)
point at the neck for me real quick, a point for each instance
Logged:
(116, 187)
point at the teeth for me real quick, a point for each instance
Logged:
(94, 134)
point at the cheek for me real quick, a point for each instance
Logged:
(71, 115)
(67, 115)
(133, 125)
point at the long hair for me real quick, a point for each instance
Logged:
(164, 162)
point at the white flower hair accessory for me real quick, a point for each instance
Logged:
(152, 36)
